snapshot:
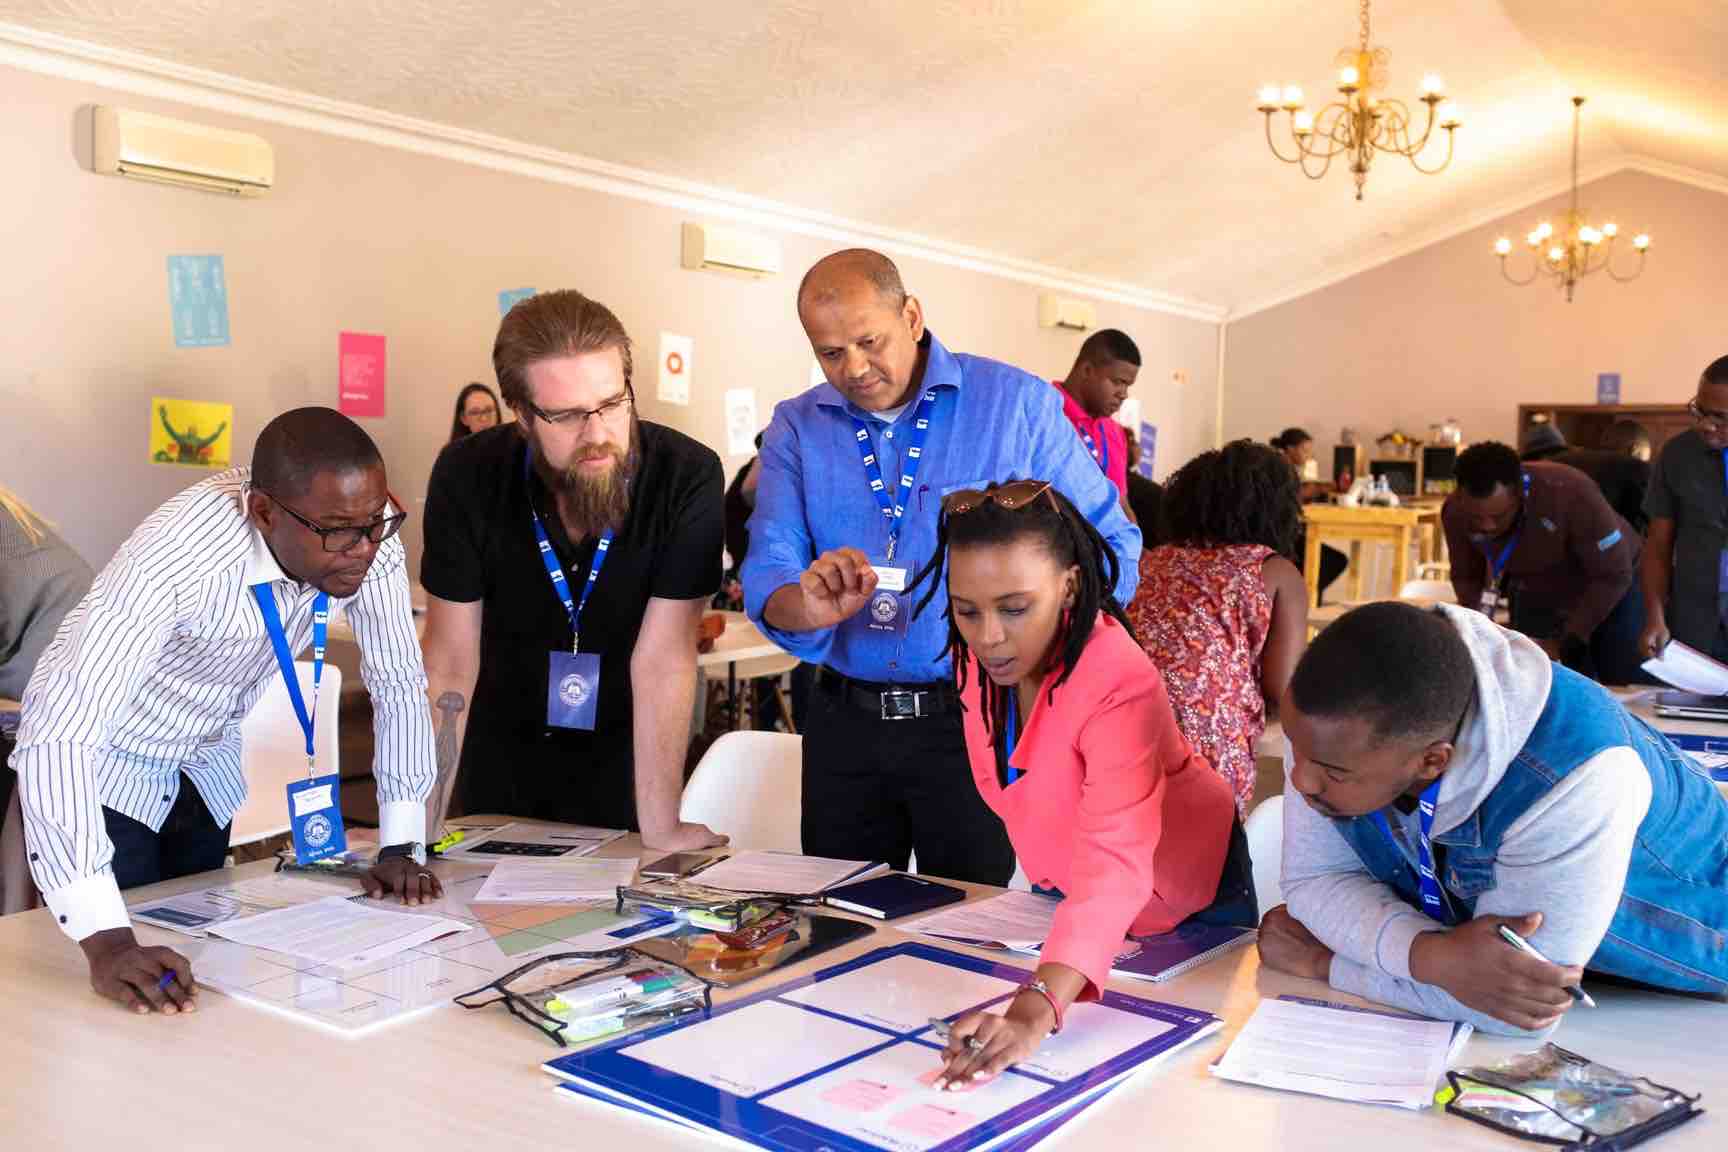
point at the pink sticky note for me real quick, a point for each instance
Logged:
(860, 1095)
(933, 1122)
(961, 1086)
(360, 374)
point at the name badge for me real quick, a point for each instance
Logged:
(886, 611)
(889, 579)
(315, 819)
(573, 690)
(1494, 604)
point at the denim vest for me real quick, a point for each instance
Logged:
(1671, 927)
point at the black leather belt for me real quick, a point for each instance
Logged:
(889, 701)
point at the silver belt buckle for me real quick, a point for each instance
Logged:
(902, 704)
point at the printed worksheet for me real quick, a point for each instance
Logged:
(749, 1051)
(903, 993)
(1019, 920)
(336, 932)
(566, 881)
(1092, 1036)
(886, 1099)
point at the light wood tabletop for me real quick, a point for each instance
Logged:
(81, 1073)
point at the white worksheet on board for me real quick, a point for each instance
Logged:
(887, 1099)
(903, 993)
(1092, 1036)
(749, 1051)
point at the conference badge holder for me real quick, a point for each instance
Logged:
(315, 819)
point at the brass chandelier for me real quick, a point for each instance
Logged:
(1362, 123)
(1580, 249)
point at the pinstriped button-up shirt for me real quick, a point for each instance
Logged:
(149, 677)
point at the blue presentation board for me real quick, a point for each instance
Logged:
(841, 1060)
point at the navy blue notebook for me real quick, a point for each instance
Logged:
(1167, 956)
(893, 896)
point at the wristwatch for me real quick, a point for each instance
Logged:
(412, 849)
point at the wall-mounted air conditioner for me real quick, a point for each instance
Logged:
(149, 147)
(723, 249)
(1060, 312)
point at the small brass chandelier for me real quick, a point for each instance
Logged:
(1362, 123)
(1580, 249)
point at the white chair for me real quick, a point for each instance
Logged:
(273, 751)
(749, 786)
(1440, 590)
(1265, 831)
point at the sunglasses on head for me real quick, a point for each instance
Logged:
(1011, 496)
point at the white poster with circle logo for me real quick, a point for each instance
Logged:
(676, 355)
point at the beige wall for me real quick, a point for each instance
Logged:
(366, 238)
(1439, 334)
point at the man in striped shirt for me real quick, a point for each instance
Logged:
(129, 754)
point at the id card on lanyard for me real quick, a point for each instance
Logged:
(1434, 903)
(314, 809)
(573, 677)
(1722, 562)
(1011, 737)
(886, 611)
(1494, 598)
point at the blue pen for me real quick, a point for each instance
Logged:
(167, 979)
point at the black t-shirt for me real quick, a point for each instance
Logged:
(480, 545)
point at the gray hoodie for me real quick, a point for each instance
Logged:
(1565, 858)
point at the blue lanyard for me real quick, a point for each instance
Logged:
(285, 659)
(894, 507)
(1498, 565)
(1433, 903)
(1099, 448)
(555, 570)
(1011, 734)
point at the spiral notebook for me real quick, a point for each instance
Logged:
(1187, 946)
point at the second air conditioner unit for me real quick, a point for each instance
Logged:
(723, 249)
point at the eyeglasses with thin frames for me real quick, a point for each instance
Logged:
(1708, 417)
(346, 538)
(578, 417)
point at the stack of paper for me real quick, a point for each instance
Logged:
(338, 932)
(784, 873)
(517, 881)
(1689, 670)
(1345, 1053)
(195, 913)
(846, 1060)
(533, 841)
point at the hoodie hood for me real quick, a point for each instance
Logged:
(1513, 677)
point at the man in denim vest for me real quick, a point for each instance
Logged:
(1446, 780)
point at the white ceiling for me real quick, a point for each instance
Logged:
(1113, 138)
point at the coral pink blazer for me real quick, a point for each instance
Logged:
(1112, 805)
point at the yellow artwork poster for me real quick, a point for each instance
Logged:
(193, 432)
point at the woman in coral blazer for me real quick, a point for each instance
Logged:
(1073, 744)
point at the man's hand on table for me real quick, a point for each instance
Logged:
(144, 979)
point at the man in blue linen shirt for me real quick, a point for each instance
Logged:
(853, 473)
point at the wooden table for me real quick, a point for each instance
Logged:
(1334, 523)
(82, 1073)
(746, 654)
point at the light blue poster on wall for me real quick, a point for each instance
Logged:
(198, 301)
(511, 297)
(1148, 449)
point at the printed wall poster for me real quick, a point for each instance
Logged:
(195, 433)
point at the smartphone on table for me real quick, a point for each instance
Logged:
(675, 866)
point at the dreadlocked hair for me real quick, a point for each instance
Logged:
(1071, 541)
(1242, 493)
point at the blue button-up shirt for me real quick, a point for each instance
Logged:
(992, 422)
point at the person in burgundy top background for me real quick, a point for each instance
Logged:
(1219, 609)
(1104, 370)
(1072, 743)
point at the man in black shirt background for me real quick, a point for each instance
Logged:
(568, 559)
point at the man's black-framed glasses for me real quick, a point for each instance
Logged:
(578, 417)
(1709, 417)
(347, 538)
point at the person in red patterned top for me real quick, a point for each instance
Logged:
(1221, 612)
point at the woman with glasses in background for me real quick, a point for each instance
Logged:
(1686, 549)
(1073, 744)
(476, 411)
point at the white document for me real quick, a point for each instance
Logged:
(194, 913)
(1689, 670)
(749, 1051)
(518, 881)
(784, 873)
(1366, 1057)
(1092, 1035)
(676, 354)
(886, 1100)
(903, 993)
(1017, 920)
(741, 426)
(524, 838)
(336, 931)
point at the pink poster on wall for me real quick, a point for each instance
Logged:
(360, 375)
